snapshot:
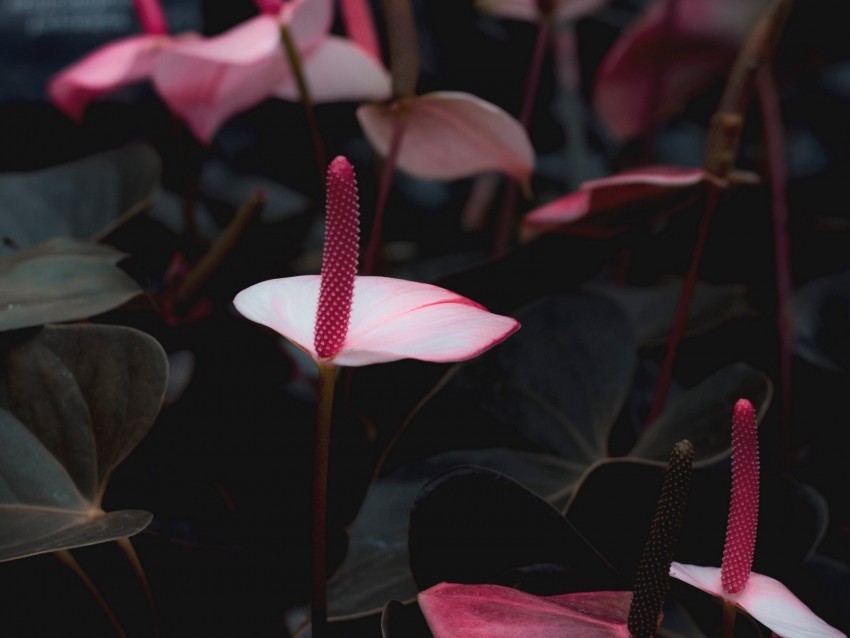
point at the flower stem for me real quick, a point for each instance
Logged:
(774, 140)
(727, 620)
(665, 377)
(505, 220)
(399, 123)
(67, 559)
(319, 589)
(297, 66)
(722, 142)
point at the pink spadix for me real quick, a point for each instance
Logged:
(342, 319)
(744, 507)
(764, 598)
(339, 262)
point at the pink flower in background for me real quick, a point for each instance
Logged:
(610, 205)
(117, 64)
(208, 81)
(664, 59)
(530, 10)
(765, 599)
(341, 319)
(450, 135)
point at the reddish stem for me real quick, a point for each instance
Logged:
(399, 123)
(505, 220)
(321, 464)
(774, 139)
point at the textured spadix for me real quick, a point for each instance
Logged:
(353, 321)
(339, 262)
(765, 599)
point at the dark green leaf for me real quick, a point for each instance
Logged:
(61, 280)
(74, 401)
(78, 199)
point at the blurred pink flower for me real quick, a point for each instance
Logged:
(208, 81)
(340, 319)
(114, 65)
(765, 599)
(666, 57)
(529, 11)
(610, 205)
(450, 135)
(491, 611)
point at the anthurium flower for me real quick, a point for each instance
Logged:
(115, 65)
(342, 319)
(450, 135)
(208, 81)
(765, 599)
(606, 206)
(492, 611)
(666, 57)
(532, 10)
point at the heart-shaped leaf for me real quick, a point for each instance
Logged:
(651, 308)
(61, 280)
(75, 401)
(78, 199)
(472, 525)
(703, 415)
(558, 385)
(376, 569)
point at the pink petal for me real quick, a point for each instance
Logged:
(208, 81)
(613, 204)
(110, 67)
(337, 71)
(690, 56)
(308, 20)
(764, 598)
(396, 319)
(287, 306)
(360, 26)
(451, 135)
(526, 10)
(491, 611)
(391, 319)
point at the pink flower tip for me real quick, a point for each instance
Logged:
(151, 16)
(269, 6)
(743, 509)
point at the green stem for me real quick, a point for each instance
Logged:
(319, 591)
(399, 124)
(297, 66)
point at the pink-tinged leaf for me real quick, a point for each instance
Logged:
(491, 611)
(308, 20)
(207, 81)
(659, 64)
(391, 319)
(450, 136)
(610, 205)
(765, 599)
(106, 69)
(527, 11)
(360, 26)
(151, 16)
(337, 71)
